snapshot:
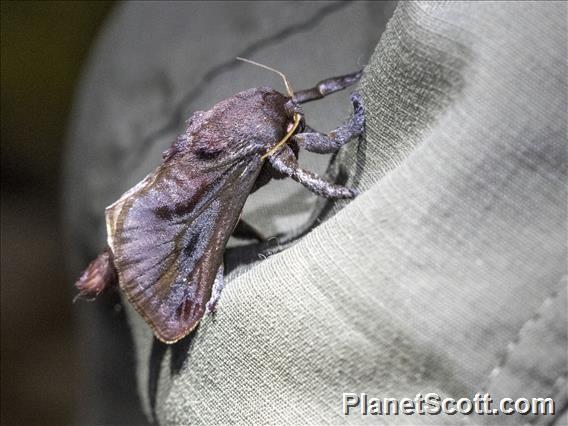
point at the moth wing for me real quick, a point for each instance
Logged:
(168, 235)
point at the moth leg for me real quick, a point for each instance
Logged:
(216, 291)
(99, 275)
(284, 161)
(245, 231)
(328, 86)
(332, 141)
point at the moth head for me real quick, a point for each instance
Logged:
(293, 109)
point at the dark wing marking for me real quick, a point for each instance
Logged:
(168, 234)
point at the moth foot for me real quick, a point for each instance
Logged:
(215, 291)
(211, 306)
(358, 120)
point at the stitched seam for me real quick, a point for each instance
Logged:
(512, 345)
(558, 415)
(554, 390)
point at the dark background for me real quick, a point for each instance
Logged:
(44, 46)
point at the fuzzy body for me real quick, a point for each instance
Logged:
(166, 236)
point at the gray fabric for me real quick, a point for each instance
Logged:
(448, 273)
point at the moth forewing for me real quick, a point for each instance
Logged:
(168, 235)
(112, 212)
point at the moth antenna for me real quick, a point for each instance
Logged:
(286, 82)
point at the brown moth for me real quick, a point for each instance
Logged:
(166, 236)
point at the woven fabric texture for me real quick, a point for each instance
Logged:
(447, 274)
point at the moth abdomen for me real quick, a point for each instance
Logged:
(99, 275)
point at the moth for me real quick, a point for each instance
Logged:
(166, 236)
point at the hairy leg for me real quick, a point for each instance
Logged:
(327, 143)
(216, 291)
(284, 161)
(328, 86)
